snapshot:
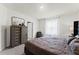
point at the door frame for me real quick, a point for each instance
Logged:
(27, 27)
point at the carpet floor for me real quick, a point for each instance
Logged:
(18, 50)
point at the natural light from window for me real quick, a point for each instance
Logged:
(51, 26)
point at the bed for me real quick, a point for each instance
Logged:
(47, 46)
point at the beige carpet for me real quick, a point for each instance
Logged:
(18, 50)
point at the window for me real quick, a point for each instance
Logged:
(51, 27)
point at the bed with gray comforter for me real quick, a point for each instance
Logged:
(47, 46)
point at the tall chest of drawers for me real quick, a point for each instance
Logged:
(16, 35)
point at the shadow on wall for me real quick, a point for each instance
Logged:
(3, 36)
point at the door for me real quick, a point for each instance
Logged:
(30, 30)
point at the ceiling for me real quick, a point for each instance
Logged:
(43, 10)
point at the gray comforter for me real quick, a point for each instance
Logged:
(46, 45)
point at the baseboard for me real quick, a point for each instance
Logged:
(1, 49)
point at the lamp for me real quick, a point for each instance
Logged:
(77, 36)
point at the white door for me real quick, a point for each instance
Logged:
(30, 30)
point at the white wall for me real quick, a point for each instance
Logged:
(5, 22)
(42, 25)
(65, 23)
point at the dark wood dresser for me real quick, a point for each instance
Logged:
(18, 35)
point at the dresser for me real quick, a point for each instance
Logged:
(18, 35)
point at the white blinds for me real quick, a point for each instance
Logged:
(51, 27)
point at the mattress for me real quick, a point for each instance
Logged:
(47, 46)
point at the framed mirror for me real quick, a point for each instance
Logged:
(17, 20)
